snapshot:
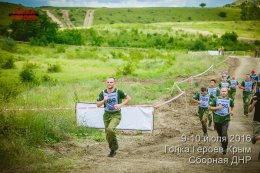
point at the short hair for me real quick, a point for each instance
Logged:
(203, 89)
(111, 78)
(213, 80)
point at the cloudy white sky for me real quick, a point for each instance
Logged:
(120, 3)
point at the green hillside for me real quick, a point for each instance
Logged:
(171, 14)
(149, 15)
(133, 15)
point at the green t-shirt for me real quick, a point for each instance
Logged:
(218, 118)
(121, 95)
(243, 84)
(232, 83)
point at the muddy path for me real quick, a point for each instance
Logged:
(150, 152)
(88, 18)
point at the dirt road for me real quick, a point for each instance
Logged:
(88, 18)
(54, 19)
(65, 16)
(145, 152)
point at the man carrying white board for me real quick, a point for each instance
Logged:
(112, 98)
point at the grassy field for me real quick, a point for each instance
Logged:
(248, 29)
(80, 78)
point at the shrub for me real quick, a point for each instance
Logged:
(198, 45)
(232, 36)
(126, 69)
(222, 14)
(8, 44)
(8, 63)
(54, 68)
(9, 90)
(61, 49)
(48, 79)
(28, 75)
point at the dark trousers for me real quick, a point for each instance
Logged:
(222, 129)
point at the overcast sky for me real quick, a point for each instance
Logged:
(120, 3)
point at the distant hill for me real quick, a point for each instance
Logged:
(148, 15)
(6, 8)
(132, 15)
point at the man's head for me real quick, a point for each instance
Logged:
(233, 78)
(248, 77)
(213, 83)
(252, 71)
(224, 92)
(203, 91)
(224, 79)
(110, 83)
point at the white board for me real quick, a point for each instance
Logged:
(133, 117)
(213, 52)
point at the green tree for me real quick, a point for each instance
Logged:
(203, 5)
(41, 28)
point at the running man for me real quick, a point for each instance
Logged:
(248, 86)
(213, 92)
(213, 89)
(112, 98)
(253, 76)
(202, 98)
(225, 75)
(233, 83)
(257, 83)
(223, 107)
(224, 83)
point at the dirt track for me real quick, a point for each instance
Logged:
(65, 16)
(53, 18)
(88, 18)
(145, 152)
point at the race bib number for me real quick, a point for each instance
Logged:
(225, 107)
(249, 85)
(212, 91)
(233, 83)
(111, 102)
(224, 85)
(204, 101)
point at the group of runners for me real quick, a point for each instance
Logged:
(216, 104)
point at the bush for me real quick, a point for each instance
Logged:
(232, 36)
(49, 80)
(222, 14)
(61, 49)
(198, 45)
(9, 63)
(9, 89)
(54, 68)
(8, 44)
(126, 69)
(28, 75)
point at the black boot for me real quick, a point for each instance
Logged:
(112, 153)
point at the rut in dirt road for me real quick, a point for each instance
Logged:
(88, 18)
